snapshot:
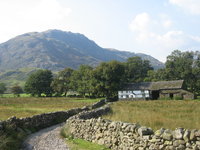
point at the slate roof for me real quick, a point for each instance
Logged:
(160, 85)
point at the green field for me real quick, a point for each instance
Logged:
(159, 113)
(12, 95)
(28, 106)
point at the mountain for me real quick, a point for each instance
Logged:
(125, 54)
(55, 50)
(17, 76)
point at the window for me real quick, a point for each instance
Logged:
(147, 95)
(146, 92)
(137, 92)
(171, 95)
(139, 96)
(131, 96)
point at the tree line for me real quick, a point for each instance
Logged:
(15, 89)
(101, 81)
(108, 77)
(180, 66)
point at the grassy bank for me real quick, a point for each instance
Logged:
(157, 114)
(80, 144)
(23, 107)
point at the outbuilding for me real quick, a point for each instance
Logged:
(155, 90)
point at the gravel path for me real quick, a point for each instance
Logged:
(46, 139)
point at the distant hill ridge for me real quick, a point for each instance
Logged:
(56, 50)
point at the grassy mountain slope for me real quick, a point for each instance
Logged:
(19, 76)
(55, 50)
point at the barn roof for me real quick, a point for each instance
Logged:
(177, 84)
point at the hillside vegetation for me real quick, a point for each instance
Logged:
(158, 114)
(19, 76)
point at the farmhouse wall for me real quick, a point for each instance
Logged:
(44, 120)
(176, 93)
(129, 136)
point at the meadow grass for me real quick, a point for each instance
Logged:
(11, 139)
(80, 144)
(8, 95)
(159, 113)
(29, 106)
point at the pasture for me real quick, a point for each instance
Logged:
(29, 106)
(159, 113)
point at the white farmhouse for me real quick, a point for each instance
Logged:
(155, 90)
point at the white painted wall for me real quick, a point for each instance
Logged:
(133, 94)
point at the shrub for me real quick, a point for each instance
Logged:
(16, 90)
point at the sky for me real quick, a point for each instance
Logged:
(153, 27)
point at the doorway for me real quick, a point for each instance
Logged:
(155, 95)
(171, 96)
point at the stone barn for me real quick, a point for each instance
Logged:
(155, 90)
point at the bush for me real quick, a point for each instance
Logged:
(11, 138)
(16, 90)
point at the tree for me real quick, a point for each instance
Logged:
(62, 83)
(108, 78)
(136, 69)
(81, 80)
(156, 75)
(2, 88)
(196, 73)
(180, 66)
(39, 82)
(16, 90)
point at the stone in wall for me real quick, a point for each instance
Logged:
(130, 136)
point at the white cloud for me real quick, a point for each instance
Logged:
(28, 15)
(158, 36)
(140, 22)
(196, 38)
(191, 6)
(145, 27)
(165, 21)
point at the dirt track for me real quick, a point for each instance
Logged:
(46, 139)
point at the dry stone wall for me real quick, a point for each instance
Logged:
(44, 120)
(129, 136)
